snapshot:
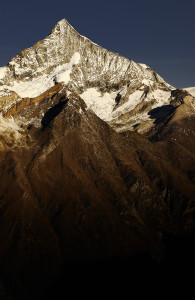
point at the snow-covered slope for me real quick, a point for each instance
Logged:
(38, 85)
(111, 85)
(191, 90)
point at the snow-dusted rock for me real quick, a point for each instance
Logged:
(111, 85)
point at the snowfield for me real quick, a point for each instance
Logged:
(39, 85)
(191, 90)
(2, 72)
(102, 105)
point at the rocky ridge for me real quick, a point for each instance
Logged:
(111, 85)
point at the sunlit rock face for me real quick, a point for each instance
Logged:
(114, 87)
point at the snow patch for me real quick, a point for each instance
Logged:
(63, 76)
(68, 93)
(191, 90)
(8, 123)
(2, 72)
(134, 99)
(147, 82)
(42, 83)
(162, 97)
(80, 110)
(34, 87)
(10, 133)
(102, 105)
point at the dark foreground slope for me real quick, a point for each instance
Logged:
(81, 204)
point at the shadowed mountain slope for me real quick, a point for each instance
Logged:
(77, 190)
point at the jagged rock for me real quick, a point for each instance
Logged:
(94, 73)
(178, 97)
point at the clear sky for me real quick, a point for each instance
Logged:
(158, 33)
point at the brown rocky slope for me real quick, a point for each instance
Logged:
(76, 190)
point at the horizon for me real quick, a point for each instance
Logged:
(158, 35)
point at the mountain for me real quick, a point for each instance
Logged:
(191, 90)
(97, 164)
(111, 85)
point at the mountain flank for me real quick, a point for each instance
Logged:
(97, 170)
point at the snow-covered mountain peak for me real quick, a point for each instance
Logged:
(110, 84)
(61, 25)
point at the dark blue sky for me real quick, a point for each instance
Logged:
(158, 33)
